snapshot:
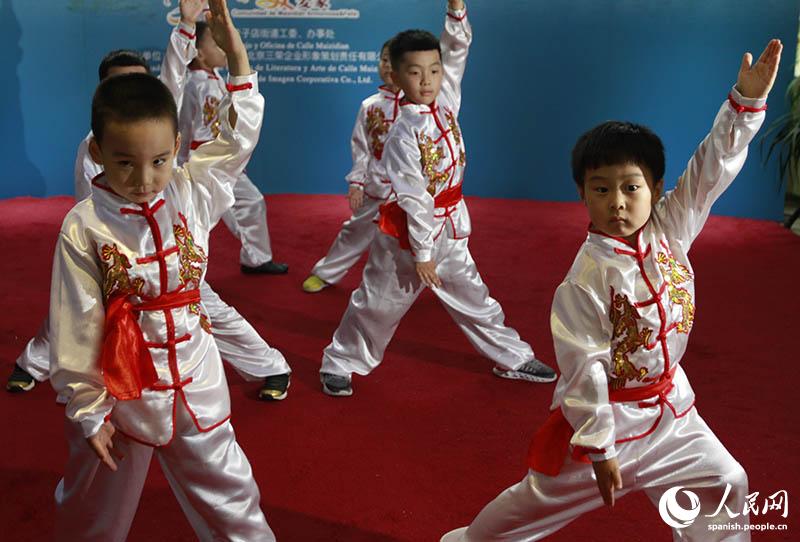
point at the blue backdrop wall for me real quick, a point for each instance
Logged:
(540, 73)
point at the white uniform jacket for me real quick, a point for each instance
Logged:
(108, 246)
(622, 316)
(424, 155)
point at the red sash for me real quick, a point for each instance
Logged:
(393, 220)
(550, 444)
(125, 359)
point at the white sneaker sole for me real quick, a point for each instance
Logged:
(18, 388)
(336, 393)
(517, 375)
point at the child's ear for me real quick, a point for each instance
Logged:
(94, 151)
(582, 193)
(177, 144)
(658, 189)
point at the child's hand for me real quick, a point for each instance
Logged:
(756, 81)
(191, 10)
(427, 274)
(103, 445)
(227, 37)
(608, 478)
(356, 198)
(455, 5)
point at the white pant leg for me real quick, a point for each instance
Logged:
(35, 357)
(388, 288)
(247, 220)
(213, 482)
(238, 342)
(681, 451)
(695, 459)
(353, 239)
(94, 503)
(480, 317)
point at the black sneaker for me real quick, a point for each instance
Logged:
(335, 385)
(20, 381)
(269, 268)
(532, 371)
(275, 388)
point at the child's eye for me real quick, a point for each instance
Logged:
(601, 189)
(124, 163)
(633, 187)
(159, 162)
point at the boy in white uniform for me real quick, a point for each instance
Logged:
(621, 322)
(366, 190)
(199, 123)
(129, 347)
(425, 225)
(239, 343)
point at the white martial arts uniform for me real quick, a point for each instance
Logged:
(375, 117)
(238, 342)
(199, 123)
(115, 260)
(620, 323)
(424, 159)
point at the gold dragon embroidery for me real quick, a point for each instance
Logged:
(676, 274)
(430, 157)
(191, 256)
(377, 128)
(210, 109)
(454, 129)
(205, 323)
(115, 273)
(624, 318)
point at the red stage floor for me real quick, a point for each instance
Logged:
(431, 436)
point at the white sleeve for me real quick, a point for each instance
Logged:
(86, 170)
(455, 42)
(715, 164)
(582, 347)
(215, 166)
(180, 52)
(401, 158)
(187, 118)
(360, 150)
(77, 320)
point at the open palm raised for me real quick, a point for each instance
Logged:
(756, 80)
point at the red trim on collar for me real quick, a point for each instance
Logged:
(390, 91)
(187, 34)
(739, 108)
(622, 240)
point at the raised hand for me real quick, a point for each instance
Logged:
(455, 4)
(191, 10)
(756, 80)
(227, 37)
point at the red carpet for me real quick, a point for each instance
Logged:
(431, 436)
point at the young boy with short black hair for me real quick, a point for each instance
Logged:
(366, 190)
(425, 225)
(620, 323)
(129, 349)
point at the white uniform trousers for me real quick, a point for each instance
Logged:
(354, 238)
(680, 452)
(247, 220)
(390, 285)
(208, 473)
(238, 342)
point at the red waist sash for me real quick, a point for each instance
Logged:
(125, 359)
(393, 220)
(550, 444)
